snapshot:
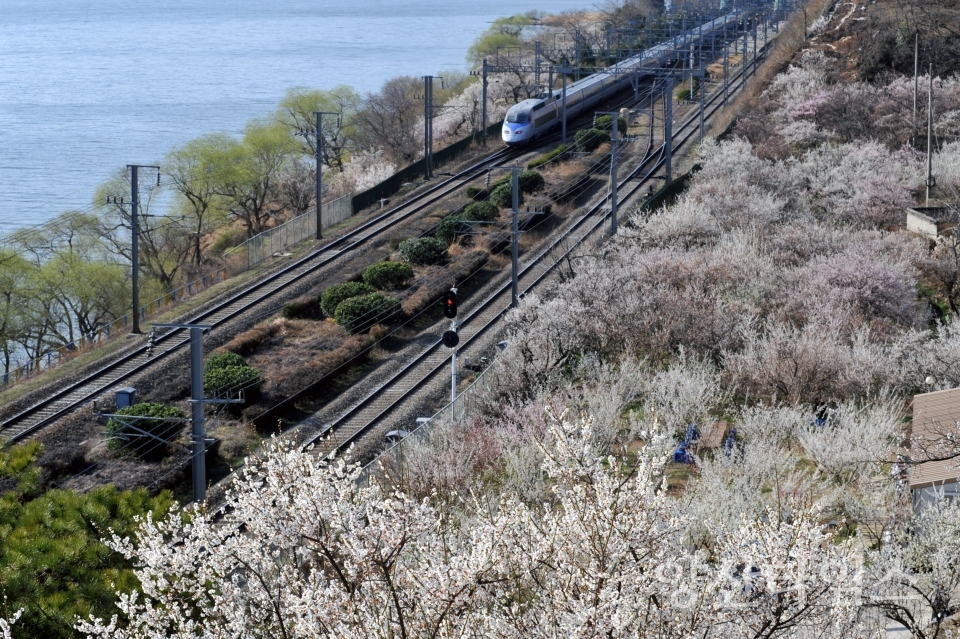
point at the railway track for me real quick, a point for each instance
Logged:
(64, 401)
(422, 369)
(351, 426)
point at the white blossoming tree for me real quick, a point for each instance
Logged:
(306, 550)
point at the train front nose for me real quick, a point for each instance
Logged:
(515, 133)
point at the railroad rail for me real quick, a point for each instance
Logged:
(355, 423)
(67, 399)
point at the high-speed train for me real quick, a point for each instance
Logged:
(531, 118)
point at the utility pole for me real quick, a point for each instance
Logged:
(319, 115)
(135, 252)
(930, 181)
(537, 66)
(428, 125)
(135, 239)
(516, 238)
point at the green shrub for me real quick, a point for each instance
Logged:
(228, 382)
(527, 181)
(546, 158)
(481, 211)
(357, 314)
(473, 191)
(424, 251)
(588, 140)
(164, 423)
(388, 276)
(604, 122)
(223, 360)
(531, 182)
(336, 294)
(56, 566)
(502, 196)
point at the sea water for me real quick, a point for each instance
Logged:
(89, 86)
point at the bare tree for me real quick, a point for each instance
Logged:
(387, 119)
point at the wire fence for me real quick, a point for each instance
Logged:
(277, 240)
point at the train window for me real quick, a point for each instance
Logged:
(537, 107)
(518, 118)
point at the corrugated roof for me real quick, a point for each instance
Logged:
(933, 415)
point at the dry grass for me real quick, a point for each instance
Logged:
(252, 340)
(431, 288)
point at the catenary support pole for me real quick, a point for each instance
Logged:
(668, 128)
(197, 435)
(564, 114)
(515, 301)
(614, 132)
(703, 84)
(483, 107)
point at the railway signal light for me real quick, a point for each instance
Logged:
(450, 304)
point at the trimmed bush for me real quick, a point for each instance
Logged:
(228, 382)
(605, 121)
(482, 211)
(424, 251)
(546, 158)
(588, 140)
(473, 191)
(223, 360)
(336, 294)
(388, 276)
(164, 423)
(531, 182)
(683, 94)
(357, 314)
(502, 196)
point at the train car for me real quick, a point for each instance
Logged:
(529, 119)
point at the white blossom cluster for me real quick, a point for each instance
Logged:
(307, 551)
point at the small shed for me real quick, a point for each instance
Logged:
(930, 221)
(935, 415)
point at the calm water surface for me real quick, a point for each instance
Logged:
(88, 86)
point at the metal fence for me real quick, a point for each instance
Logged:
(83, 343)
(277, 240)
(463, 406)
